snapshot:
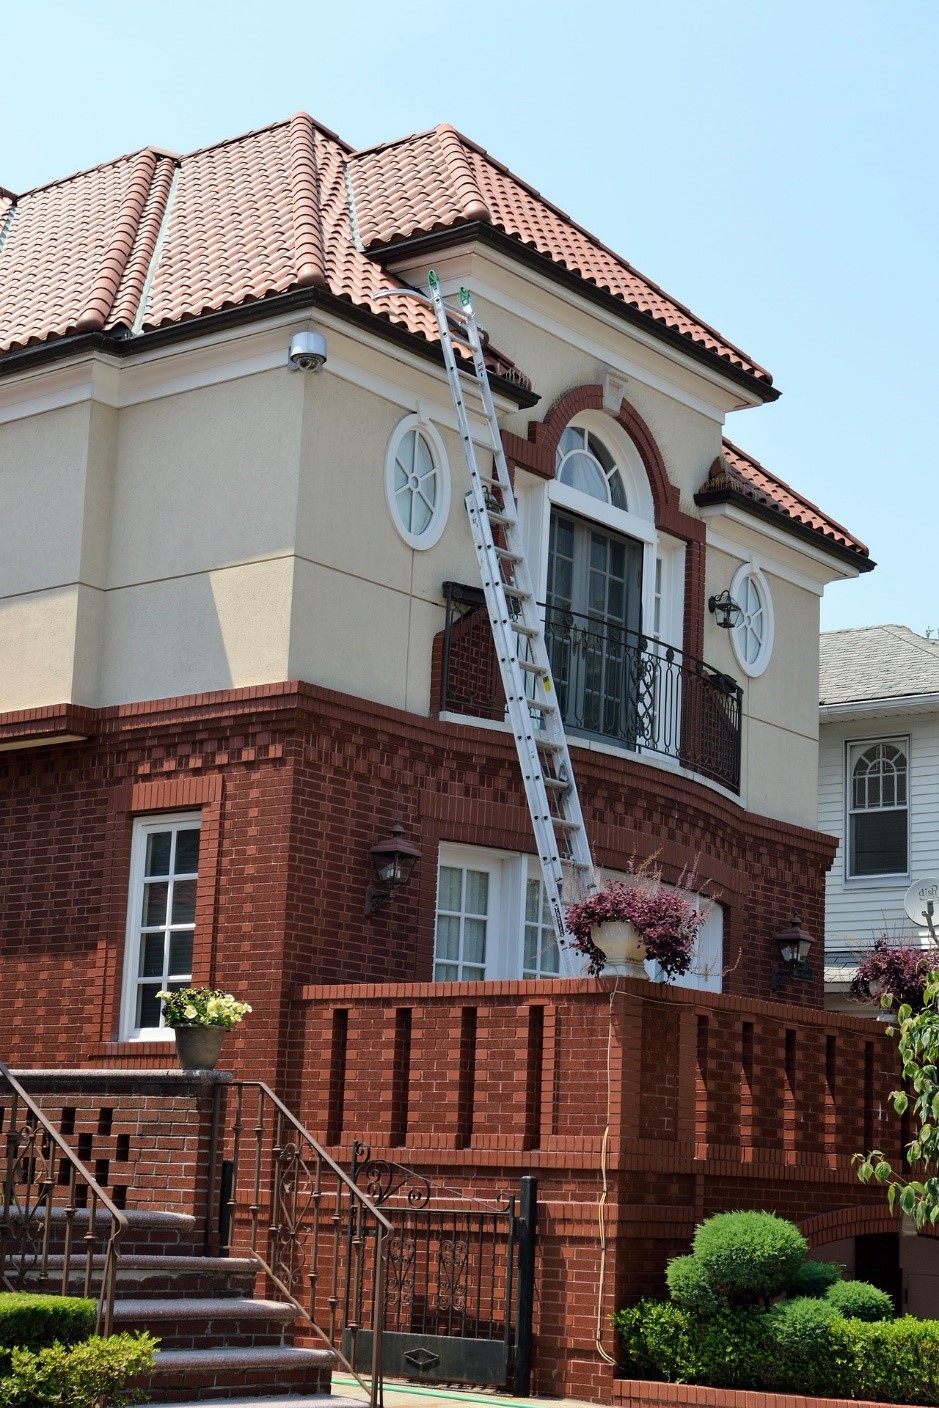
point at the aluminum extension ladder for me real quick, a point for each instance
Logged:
(518, 633)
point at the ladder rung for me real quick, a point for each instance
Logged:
(496, 516)
(531, 667)
(548, 745)
(545, 705)
(522, 629)
(562, 824)
(516, 593)
(508, 555)
(556, 784)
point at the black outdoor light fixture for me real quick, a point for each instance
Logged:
(393, 860)
(727, 611)
(794, 944)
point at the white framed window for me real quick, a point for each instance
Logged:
(752, 636)
(161, 918)
(493, 921)
(878, 811)
(417, 482)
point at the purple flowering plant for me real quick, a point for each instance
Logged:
(666, 920)
(895, 970)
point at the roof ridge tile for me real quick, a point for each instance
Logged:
(468, 194)
(101, 296)
(309, 245)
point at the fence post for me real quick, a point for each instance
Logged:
(526, 1285)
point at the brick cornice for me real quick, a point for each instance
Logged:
(54, 723)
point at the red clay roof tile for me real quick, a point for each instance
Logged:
(734, 471)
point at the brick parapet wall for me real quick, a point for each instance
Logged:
(146, 1138)
(642, 1393)
(694, 1099)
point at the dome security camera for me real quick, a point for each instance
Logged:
(307, 352)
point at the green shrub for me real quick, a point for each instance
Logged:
(80, 1376)
(860, 1301)
(890, 1361)
(690, 1286)
(813, 1278)
(802, 1361)
(749, 1256)
(728, 1350)
(29, 1321)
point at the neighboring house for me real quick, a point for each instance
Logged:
(240, 638)
(878, 788)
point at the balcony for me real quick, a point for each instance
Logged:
(614, 685)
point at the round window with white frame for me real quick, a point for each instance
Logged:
(752, 636)
(417, 482)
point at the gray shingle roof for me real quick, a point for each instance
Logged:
(876, 662)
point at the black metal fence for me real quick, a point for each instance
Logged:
(613, 684)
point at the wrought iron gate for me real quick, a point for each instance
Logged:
(458, 1281)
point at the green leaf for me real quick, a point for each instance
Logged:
(865, 1171)
(901, 1102)
(883, 1172)
(908, 1201)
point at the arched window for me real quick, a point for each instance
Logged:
(878, 808)
(584, 463)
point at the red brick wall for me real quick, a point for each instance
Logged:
(697, 1121)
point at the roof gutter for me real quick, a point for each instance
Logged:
(124, 345)
(420, 245)
(790, 525)
(884, 704)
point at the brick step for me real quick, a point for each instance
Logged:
(152, 1274)
(148, 1230)
(208, 1322)
(243, 1375)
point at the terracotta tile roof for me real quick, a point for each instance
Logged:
(439, 179)
(288, 207)
(735, 473)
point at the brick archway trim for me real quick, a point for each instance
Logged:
(537, 454)
(849, 1222)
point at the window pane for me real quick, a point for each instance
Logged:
(445, 973)
(181, 956)
(474, 941)
(159, 844)
(477, 892)
(448, 938)
(187, 852)
(451, 887)
(878, 843)
(151, 956)
(184, 902)
(148, 1005)
(154, 903)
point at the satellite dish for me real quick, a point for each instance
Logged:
(921, 902)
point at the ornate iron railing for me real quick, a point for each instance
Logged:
(613, 684)
(319, 1239)
(49, 1196)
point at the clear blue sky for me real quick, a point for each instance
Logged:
(774, 166)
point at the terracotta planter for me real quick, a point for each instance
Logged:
(199, 1048)
(625, 952)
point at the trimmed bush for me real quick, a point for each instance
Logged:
(29, 1321)
(749, 1256)
(82, 1376)
(813, 1278)
(890, 1361)
(800, 1330)
(732, 1349)
(859, 1300)
(690, 1286)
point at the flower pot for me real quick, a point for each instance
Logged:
(625, 952)
(199, 1048)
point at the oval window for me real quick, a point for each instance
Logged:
(417, 482)
(752, 636)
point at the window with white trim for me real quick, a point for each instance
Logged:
(878, 808)
(417, 482)
(493, 921)
(752, 636)
(161, 917)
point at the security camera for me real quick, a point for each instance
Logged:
(307, 352)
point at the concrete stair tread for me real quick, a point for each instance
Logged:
(203, 1307)
(155, 1261)
(260, 1356)
(296, 1400)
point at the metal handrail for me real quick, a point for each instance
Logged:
(300, 1230)
(27, 1222)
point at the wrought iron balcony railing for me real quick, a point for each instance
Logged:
(613, 684)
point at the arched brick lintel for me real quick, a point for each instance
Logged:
(839, 1223)
(538, 452)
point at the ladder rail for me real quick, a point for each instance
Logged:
(528, 683)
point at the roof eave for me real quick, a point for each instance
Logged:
(789, 525)
(120, 345)
(488, 234)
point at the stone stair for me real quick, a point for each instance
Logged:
(219, 1341)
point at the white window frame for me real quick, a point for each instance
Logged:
(438, 520)
(509, 873)
(144, 826)
(854, 749)
(749, 572)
